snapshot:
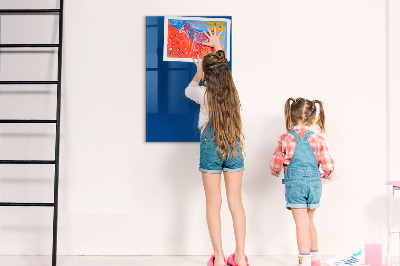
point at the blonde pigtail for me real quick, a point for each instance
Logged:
(321, 116)
(288, 114)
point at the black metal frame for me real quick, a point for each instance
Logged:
(56, 160)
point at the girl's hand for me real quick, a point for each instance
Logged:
(213, 39)
(199, 64)
(199, 73)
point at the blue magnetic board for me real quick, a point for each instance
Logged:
(170, 116)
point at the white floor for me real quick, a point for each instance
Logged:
(142, 260)
(136, 260)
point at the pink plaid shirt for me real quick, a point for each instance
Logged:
(287, 144)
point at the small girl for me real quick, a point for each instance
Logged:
(220, 147)
(302, 152)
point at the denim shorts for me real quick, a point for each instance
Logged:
(210, 160)
(303, 193)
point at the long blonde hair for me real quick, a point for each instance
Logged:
(223, 104)
(303, 110)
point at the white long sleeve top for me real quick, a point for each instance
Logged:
(196, 93)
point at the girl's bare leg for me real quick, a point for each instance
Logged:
(233, 183)
(302, 221)
(212, 188)
(313, 230)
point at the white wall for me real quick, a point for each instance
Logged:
(394, 110)
(121, 195)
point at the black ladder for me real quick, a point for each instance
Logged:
(57, 82)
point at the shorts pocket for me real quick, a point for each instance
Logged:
(207, 146)
(208, 156)
(293, 191)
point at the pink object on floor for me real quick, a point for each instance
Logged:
(393, 183)
(373, 254)
(211, 260)
(231, 260)
(326, 181)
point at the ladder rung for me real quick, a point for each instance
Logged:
(20, 45)
(38, 204)
(28, 11)
(27, 121)
(27, 161)
(395, 231)
(29, 82)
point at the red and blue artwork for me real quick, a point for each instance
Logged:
(183, 37)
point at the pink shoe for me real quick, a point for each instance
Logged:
(316, 263)
(211, 261)
(231, 260)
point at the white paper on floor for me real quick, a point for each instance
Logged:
(350, 258)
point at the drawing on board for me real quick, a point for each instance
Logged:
(183, 37)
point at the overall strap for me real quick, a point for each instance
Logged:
(308, 134)
(294, 133)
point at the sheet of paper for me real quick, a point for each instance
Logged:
(183, 37)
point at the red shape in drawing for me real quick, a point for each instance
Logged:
(180, 45)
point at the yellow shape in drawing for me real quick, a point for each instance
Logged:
(216, 25)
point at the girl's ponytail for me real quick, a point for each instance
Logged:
(288, 114)
(321, 116)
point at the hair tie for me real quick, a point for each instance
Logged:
(219, 64)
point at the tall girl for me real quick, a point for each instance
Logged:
(220, 147)
(302, 153)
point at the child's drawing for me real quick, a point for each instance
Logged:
(183, 37)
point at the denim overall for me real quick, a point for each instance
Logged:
(302, 181)
(211, 162)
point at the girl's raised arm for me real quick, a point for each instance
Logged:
(199, 73)
(194, 91)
